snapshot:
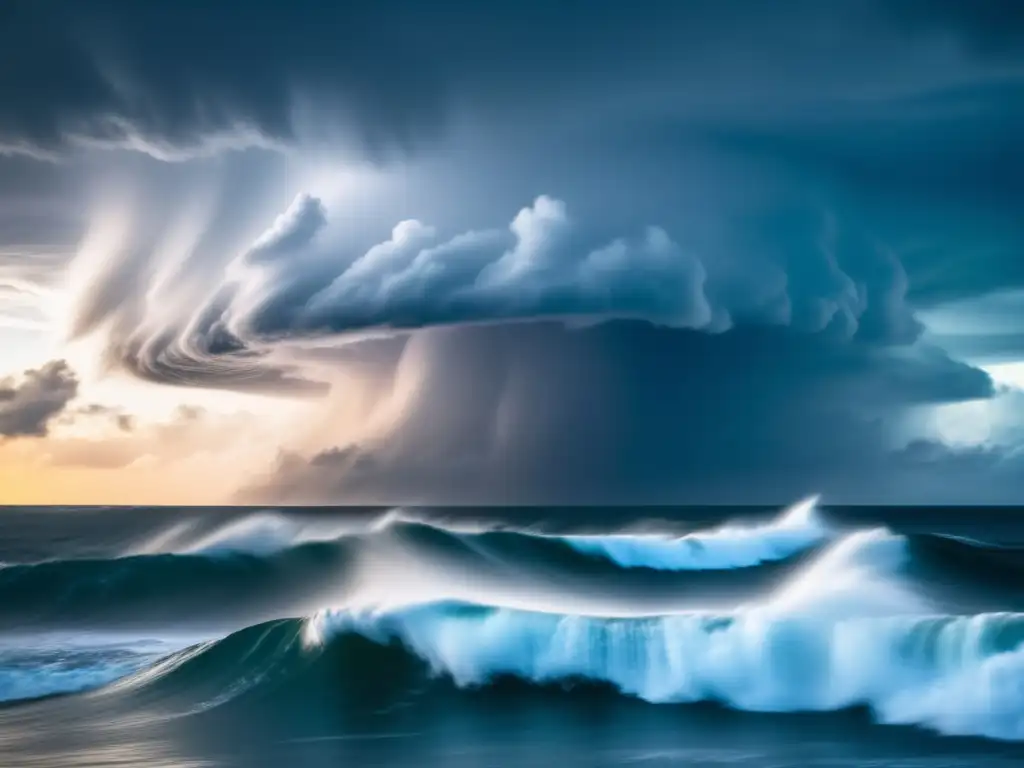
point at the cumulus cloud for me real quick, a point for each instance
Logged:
(532, 270)
(291, 286)
(31, 402)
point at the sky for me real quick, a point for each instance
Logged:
(392, 252)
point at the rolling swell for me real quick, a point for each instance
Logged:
(796, 529)
(970, 574)
(146, 590)
(846, 631)
(265, 566)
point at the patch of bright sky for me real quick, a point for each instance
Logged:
(987, 332)
(970, 423)
(21, 348)
(1009, 375)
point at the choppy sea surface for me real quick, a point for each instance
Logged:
(656, 636)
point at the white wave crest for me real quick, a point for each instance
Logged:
(732, 546)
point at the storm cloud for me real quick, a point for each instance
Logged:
(287, 288)
(669, 250)
(414, 279)
(113, 72)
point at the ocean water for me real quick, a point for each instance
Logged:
(799, 636)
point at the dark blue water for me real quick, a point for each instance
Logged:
(512, 637)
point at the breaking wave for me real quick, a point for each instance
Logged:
(955, 674)
(732, 546)
(858, 619)
(266, 565)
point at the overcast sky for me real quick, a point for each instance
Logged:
(511, 252)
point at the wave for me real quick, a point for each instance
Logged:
(846, 631)
(267, 565)
(957, 675)
(260, 533)
(732, 546)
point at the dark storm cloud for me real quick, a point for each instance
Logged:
(940, 176)
(177, 78)
(629, 412)
(31, 402)
(954, 475)
(992, 28)
(900, 116)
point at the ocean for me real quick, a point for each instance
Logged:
(806, 635)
